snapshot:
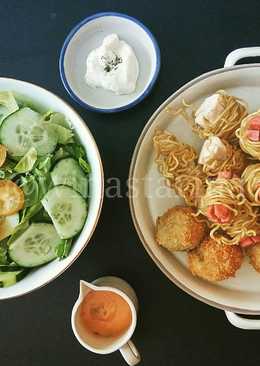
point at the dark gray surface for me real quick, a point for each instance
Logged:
(173, 328)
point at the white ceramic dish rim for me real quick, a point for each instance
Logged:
(148, 87)
(94, 224)
(131, 177)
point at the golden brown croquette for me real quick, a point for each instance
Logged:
(178, 229)
(254, 255)
(214, 261)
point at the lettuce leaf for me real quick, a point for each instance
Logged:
(3, 253)
(84, 165)
(65, 136)
(7, 170)
(27, 214)
(60, 126)
(57, 118)
(77, 151)
(27, 162)
(30, 189)
(64, 248)
(61, 153)
(44, 164)
(8, 105)
(19, 230)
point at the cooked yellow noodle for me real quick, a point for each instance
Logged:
(250, 147)
(190, 186)
(225, 125)
(177, 162)
(230, 193)
(229, 120)
(242, 226)
(235, 162)
(251, 181)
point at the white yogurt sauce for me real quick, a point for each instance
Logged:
(113, 66)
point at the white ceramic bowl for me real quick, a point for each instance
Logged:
(86, 36)
(45, 99)
(150, 198)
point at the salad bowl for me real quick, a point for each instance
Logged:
(44, 101)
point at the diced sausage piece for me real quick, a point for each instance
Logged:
(211, 213)
(225, 174)
(253, 135)
(249, 240)
(219, 213)
(256, 238)
(246, 242)
(254, 124)
(223, 213)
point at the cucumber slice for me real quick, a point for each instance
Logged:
(68, 172)
(10, 278)
(24, 129)
(36, 246)
(9, 268)
(67, 209)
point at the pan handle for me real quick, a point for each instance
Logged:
(236, 55)
(242, 323)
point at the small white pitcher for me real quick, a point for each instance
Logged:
(105, 345)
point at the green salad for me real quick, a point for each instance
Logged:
(44, 175)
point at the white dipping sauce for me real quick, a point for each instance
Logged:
(113, 66)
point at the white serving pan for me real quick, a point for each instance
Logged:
(47, 100)
(149, 197)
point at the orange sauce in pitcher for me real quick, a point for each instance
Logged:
(105, 313)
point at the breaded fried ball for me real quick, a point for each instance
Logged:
(214, 261)
(254, 255)
(178, 229)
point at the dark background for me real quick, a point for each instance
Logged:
(173, 329)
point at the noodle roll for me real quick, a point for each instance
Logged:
(251, 181)
(219, 115)
(218, 155)
(231, 215)
(177, 162)
(249, 135)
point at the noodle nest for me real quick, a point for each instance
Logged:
(235, 162)
(225, 125)
(229, 193)
(177, 162)
(250, 147)
(251, 181)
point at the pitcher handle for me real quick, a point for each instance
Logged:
(130, 353)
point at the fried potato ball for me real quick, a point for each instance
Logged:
(214, 261)
(178, 229)
(254, 255)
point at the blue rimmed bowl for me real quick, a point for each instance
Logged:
(89, 34)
